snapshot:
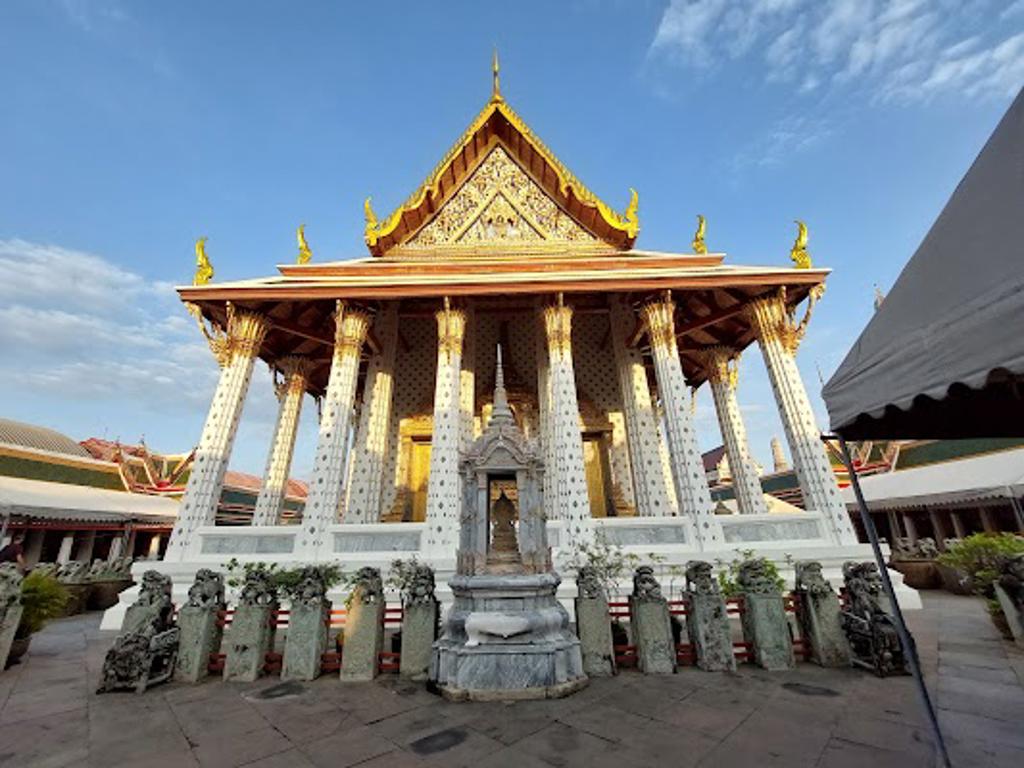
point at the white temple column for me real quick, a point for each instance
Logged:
(372, 436)
(544, 417)
(290, 391)
(649, 487)
(692, 491)
(722, 378)
(66, 545)
(571, 501)
(236, 352)
(444, 498)
(154, 546)
(326, 487)
(467, 383)
(116, 548)
(779, 337)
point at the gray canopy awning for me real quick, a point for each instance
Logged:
(944, 354)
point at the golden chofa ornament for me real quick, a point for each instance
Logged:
(798, 253)
(204, 269)
(305, 254)
(698, 244)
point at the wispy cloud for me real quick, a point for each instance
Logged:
(787, 137)
(891, 50)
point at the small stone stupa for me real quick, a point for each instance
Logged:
(506, 635)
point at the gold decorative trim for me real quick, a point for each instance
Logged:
(627, 222)
(350, 329)
(290, 375)
(451, 329)
(772, 319)
(722, 365)
(244, 335)
(659, 317)
(558, 328)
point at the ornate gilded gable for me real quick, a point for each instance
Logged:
(499, 204)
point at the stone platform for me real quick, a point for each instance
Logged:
(808, 716)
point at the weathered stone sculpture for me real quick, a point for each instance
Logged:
(869, 628)
(364, 627)
(10, 608)
(651, 625)
(764, 616)
(200, 627)
(308, 619)
(108, 578)
(144, 654)
(420, 613)
(250, 636)
(1009, 589)
(46, 569)
(74, 576)
(593, 624)
(506, 636)
(707, 619)
(818, 610)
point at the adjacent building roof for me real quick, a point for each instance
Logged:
(944, 354)
(991, 476)
(58, 501)
(39, 438)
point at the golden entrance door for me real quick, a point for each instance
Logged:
(595, 462)
(419, 471)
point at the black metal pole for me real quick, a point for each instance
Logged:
(901, 626)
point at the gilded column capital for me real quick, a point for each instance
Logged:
(659, 317)
(244, 335)
(722, 365)
(558, 328)
(772, 319)
(451, 330)
(291, 374)
(350, 329)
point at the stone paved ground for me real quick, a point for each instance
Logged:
(809, 717)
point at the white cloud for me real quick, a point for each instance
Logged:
(787, 137)
(894, 50)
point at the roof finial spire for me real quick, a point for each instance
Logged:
(495, 83)
(500, 412)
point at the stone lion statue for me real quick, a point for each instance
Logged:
(588, 582)
(10, 586)
(258, 589)
(421, 587)
(926, 549)
(155, 590)
(368, 585)
(810, 579)
(207, 591)
(311, 587)
(645, 586)
(73, 572)
(863, 588)
(754, 577)
(700, 578)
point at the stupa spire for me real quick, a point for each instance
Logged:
(500, 412)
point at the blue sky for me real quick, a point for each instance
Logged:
(128, 129)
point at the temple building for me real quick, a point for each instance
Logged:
(603, 341)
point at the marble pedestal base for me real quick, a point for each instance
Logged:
(306, 641)
(507, 637)
(250, 636)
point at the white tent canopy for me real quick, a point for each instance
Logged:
(58, 501)
(944, 354)
(980, 478)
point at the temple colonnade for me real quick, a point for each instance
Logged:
(358, 498)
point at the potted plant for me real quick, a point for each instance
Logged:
(978, 558)
(42, 598)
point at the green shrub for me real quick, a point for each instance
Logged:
(286, 580)
(729, 572)
(979, 557)
(42, 598)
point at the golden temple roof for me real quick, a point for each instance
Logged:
(498, 123)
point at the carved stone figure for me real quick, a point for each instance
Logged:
(46, 569)
(419, 624)
(364, 626)
(645, 586)
(73, 572)
(198, 620)
(707, 619)
(926, 548)
(1009, 590)
(869, 628)
(250, 636)
(588, 582)
(651, 625)
(306, 640)
(764, 621)
(207, 591)
(818, 610)
(145, 653)
(10, 608)
(593, 625)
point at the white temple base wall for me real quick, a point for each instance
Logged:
(781, 538)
